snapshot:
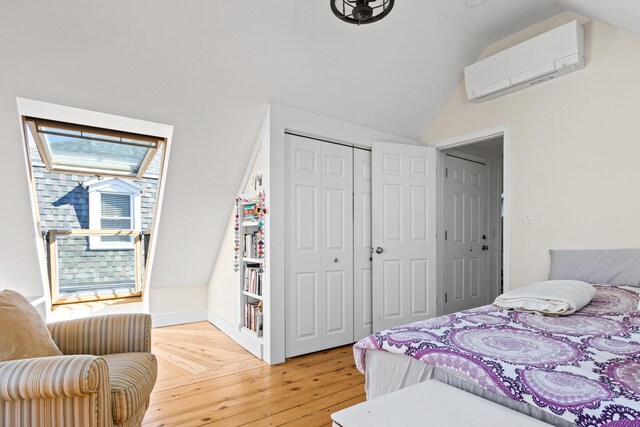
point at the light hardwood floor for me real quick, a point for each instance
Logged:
(206, 379)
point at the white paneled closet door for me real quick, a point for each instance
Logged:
(403, 218)
(362, 315)
(319, 245)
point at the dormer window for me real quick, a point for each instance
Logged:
(97, 185)
(114, 204)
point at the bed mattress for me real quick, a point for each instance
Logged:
(582, 369)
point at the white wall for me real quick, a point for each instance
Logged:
(179, 304)
(19, 267)
(574, 153)
(223, 285)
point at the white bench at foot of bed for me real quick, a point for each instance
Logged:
(431, 404)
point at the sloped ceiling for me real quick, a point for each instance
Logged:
(624, 14)
(209, 67)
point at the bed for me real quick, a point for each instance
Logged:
(582, 369)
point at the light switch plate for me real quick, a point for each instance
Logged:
(528, 217)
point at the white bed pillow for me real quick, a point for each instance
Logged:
(552, 297)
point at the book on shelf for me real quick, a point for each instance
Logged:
(251, 245)
(253, 280)
(253, 316)
(251, 212)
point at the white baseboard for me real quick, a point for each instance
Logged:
(169, 319)
(250, 344)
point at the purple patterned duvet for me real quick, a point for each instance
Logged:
(584, 367)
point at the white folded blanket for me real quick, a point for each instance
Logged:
(553, 297)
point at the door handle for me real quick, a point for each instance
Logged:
(485, 247)
(379, 250)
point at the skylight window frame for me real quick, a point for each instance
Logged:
(34, 124)
(28, 108)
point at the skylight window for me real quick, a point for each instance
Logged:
(97, 184)
(84, 150)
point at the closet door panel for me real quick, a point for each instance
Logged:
(306, 294)
(306, 199)
(362, 319)
(335, 303)
(304, 246)
(319, 245)
(335, 221)
(337, 257)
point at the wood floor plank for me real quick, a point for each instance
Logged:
(286, 410)
(222, 388)
(189, 379)
(320, 418)
(206, 379)
(334, 393)
(256, 378)
(247, 372)
(186, 364)
(238, 399)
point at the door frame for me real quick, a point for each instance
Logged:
(503, 131)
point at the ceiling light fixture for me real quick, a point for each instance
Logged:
(361, 11)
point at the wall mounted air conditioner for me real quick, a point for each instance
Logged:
(544, 57)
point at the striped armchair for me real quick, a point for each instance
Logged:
(104, 377)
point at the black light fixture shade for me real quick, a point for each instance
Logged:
(361, 11)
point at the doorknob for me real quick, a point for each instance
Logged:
(485, 247)
(379, 250)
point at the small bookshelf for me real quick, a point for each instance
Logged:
(249, 261)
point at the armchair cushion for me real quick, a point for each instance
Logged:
(50, 377)
(23, 333)
(55, 391)
(110, 334)
(132, 377)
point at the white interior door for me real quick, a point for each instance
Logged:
(362, 257)
(465, 240)
(319, 245)
(404, 227)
